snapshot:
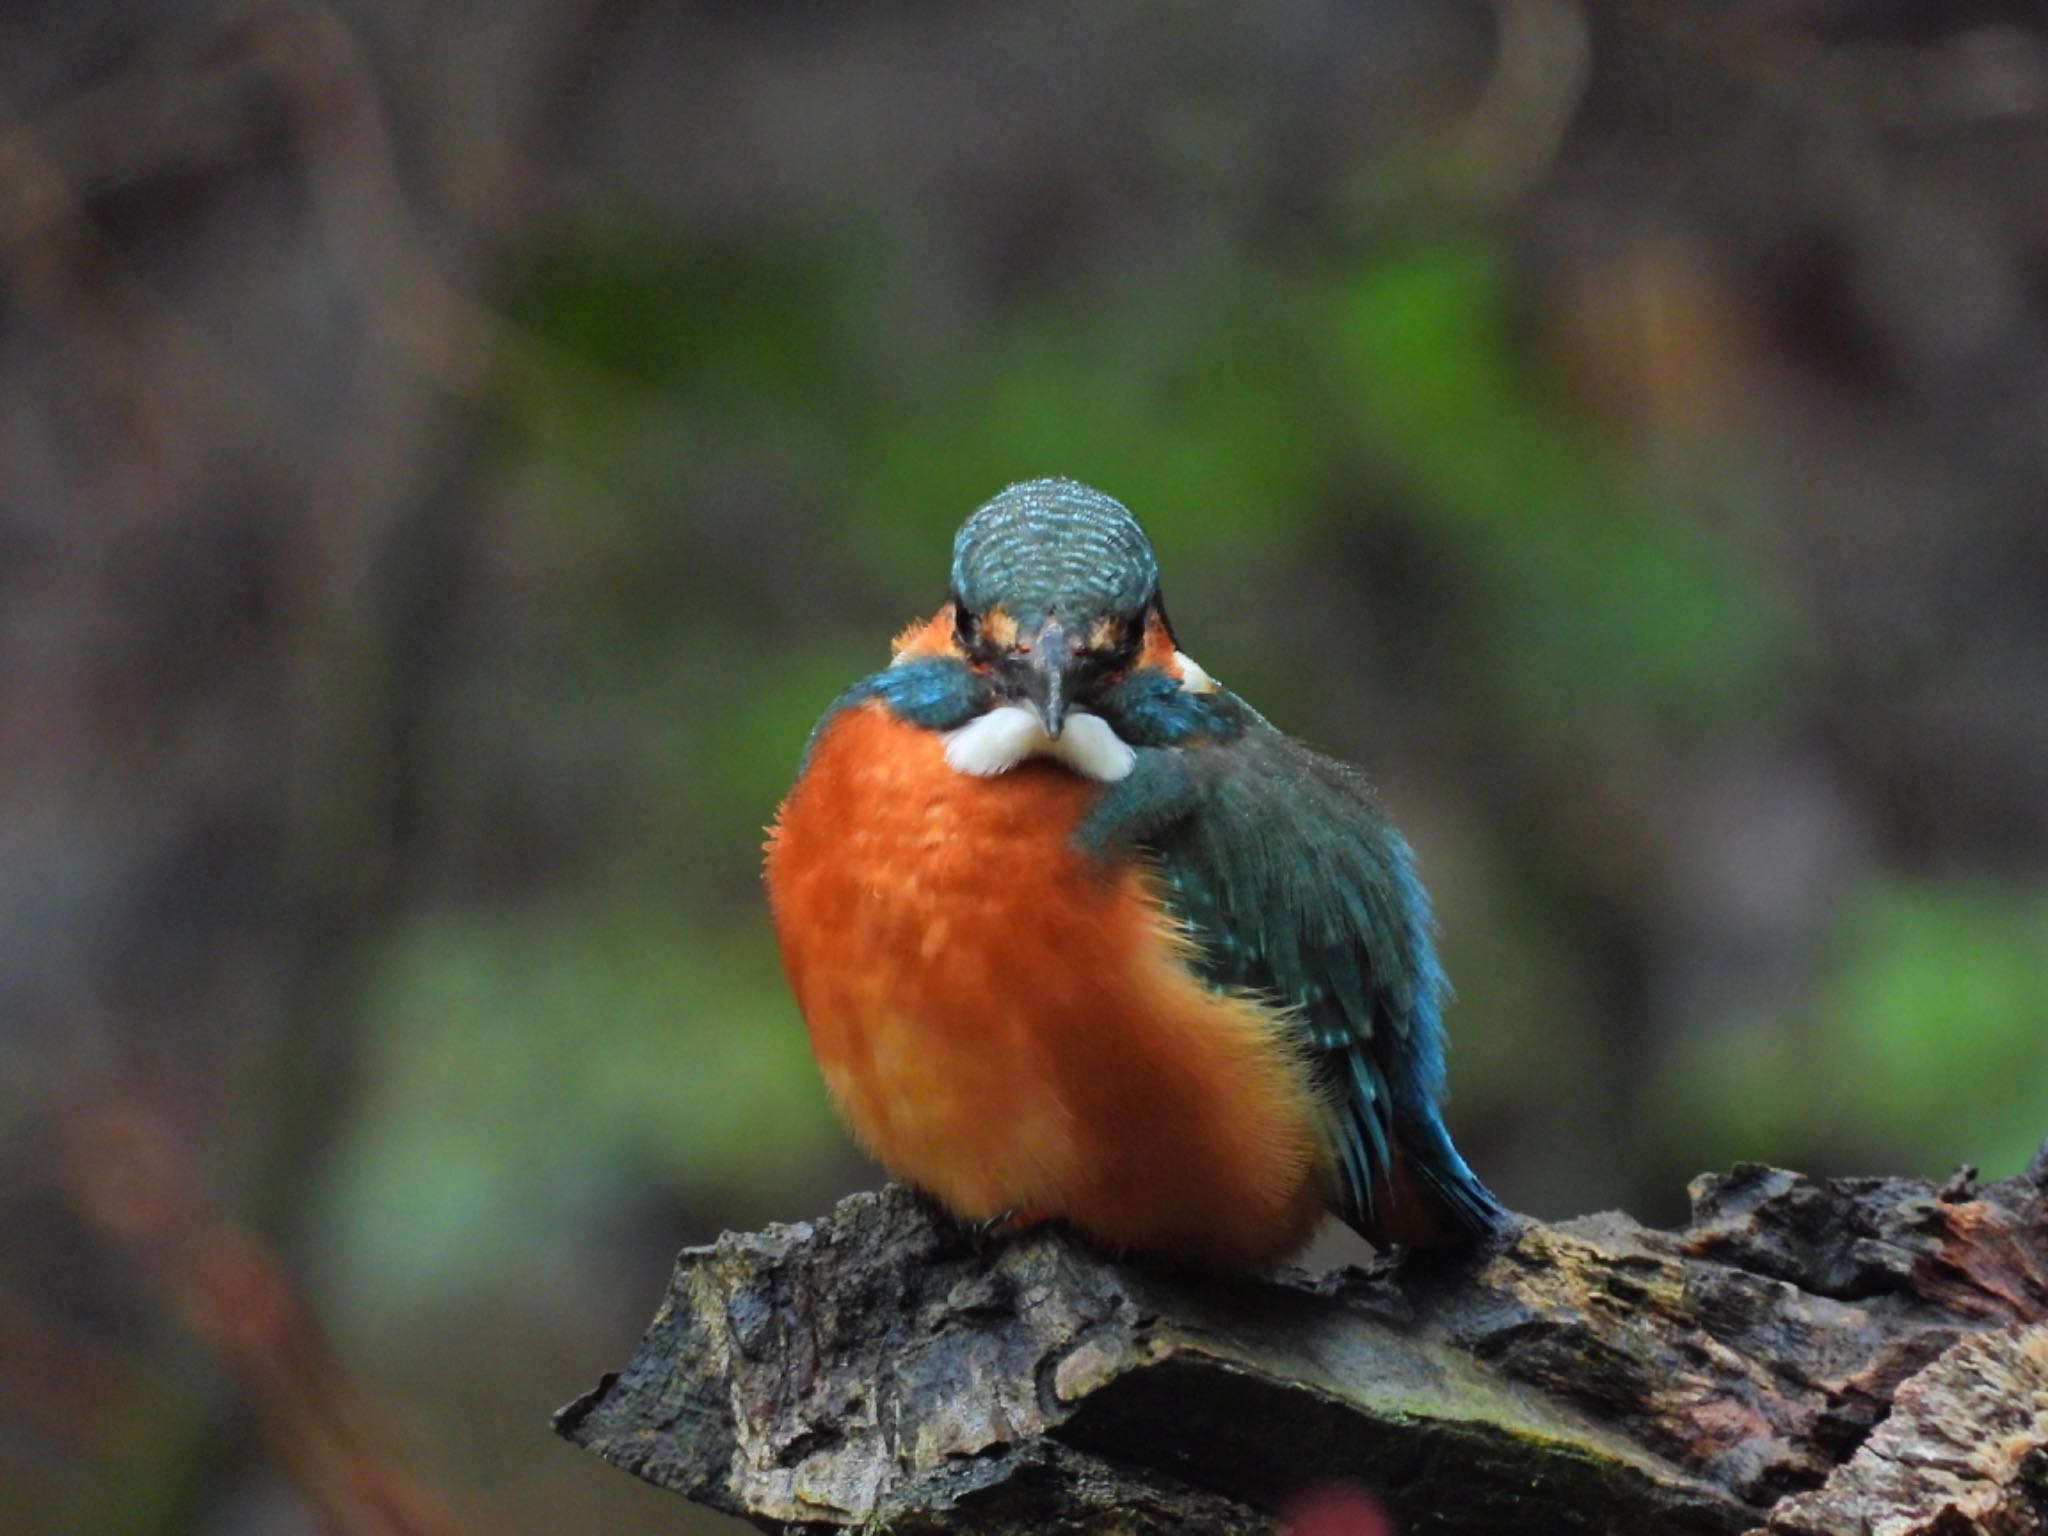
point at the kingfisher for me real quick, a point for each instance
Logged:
(1078, 935)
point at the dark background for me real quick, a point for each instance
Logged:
(449, 454)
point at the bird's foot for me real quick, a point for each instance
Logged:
(985, 1236)
(989, 1233)
(997, 1231)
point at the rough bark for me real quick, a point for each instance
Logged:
(1857, 1356)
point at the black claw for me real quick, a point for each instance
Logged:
(984, 1237)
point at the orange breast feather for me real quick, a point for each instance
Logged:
(1012, 1027)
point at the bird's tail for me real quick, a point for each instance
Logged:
(1430, 1197)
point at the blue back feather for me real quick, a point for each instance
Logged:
(1297, 888)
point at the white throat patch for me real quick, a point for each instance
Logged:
(1008, 734)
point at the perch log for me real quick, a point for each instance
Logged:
(1848, 1357)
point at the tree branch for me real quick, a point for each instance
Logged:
(874, 1371)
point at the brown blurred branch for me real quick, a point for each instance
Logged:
(142, 364)
(133, 1180)
(1542, 63)
(135, 358)
(181, 435)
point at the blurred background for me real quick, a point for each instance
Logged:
(449, 455)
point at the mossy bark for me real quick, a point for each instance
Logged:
(877, 1371)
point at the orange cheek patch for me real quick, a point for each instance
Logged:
(928, 637)
(998, 627)
(1157, 648)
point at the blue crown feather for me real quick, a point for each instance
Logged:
(1054, 546)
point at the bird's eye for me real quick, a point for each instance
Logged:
(965, 626)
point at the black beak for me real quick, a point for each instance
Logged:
(1042, 664)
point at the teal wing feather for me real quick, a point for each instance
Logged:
(1295, 886)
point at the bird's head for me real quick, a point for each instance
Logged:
(1055, 595)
